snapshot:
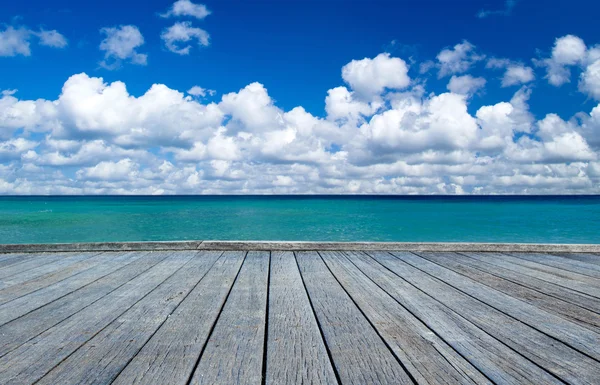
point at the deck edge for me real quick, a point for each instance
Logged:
(301, 246)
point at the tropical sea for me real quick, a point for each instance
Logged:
(539, 219)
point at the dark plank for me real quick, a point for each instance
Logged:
(296, 352)
(584, 268)
(234, 351)
(574, 335)
(30, 361)
(27, 327)
(170, 355)
(549, 353)
(20, 306)
(52, 277)
(102, 358)
(469, 268)
(358, 353)
(566, 289)
(426, 356)
(493, 358)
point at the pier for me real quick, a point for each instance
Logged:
(299, 313)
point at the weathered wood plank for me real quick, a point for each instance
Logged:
(30, 361)
(20, 306)
(17, 290)
(35, 262)
(497, 361)
(102, 358)
(465, 266)
(358, 353)
(548, 283)
(296, 352)
(234, 351)
(573, 335)
(12, 259)
(549, 353)
(27, 327)
(426, 356)
(584, 268)
(170, 355)
(583, 257)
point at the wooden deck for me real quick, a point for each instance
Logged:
(299, 317)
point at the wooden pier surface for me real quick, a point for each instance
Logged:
(299, 317)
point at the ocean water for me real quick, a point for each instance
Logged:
(548, 219)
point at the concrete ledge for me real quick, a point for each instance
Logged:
(301, 246)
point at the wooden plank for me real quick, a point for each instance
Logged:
(583, 257)
(170, 355)
(358, 353)
(467, 267)
(234, 351)
(20, 306)
(296, 352)
(18, 290)
(584, 268)
(547, 283)
(425, 355)
(35, 262)
(497, 361)
(573, 335)
(27, 327)
(102, 358)
(30, 361)
(561, 360)
(11, 259)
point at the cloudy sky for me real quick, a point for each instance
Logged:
(221, 97)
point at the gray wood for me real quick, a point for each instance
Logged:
(551, 354)
(493, 358)
(170, 355)
(296, 352)
(583, 257)
(17, 290)
(20, 306)
(234, 351)
(574, 335)
(466, 266)
(11, 259)
(548, 283)
(358, 353)
(584, 268)
(102, 358)
(29, 362)
(426, 356)
(35, 262)
(25, 328)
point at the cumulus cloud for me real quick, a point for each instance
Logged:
(16, 41)
(381, 133)
(200, 92)
(465, 85)
(457, 59)
(187, 8)
(120, 44)
(515, 73)
(183, 32)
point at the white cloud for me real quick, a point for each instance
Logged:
(568, 50)
(508, 7)
(465, 85)
(17, 41)
(183, 32)
(120, 44)
(589, 82)
(370, 77)
(187, 8)
(98, 138)
(200, 92)
(457, 59)
(52, 39)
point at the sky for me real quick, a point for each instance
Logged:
(299, 97)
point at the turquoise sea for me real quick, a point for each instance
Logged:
(548, 219)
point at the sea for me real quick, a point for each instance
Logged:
(536, 219)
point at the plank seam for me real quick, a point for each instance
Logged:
(266, 338)
(329, 355)
(212, 328)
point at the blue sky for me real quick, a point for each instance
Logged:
(296, 51)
